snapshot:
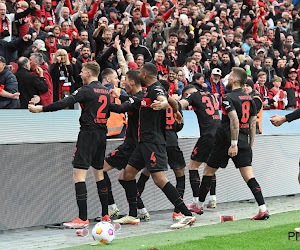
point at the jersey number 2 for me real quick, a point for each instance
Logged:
(103, 101)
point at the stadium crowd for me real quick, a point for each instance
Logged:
(44, 43)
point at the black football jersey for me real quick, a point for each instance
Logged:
(94, 100)
(152, 122)
(245, 107)
(206, 108)
(172, 127)
(131, 104)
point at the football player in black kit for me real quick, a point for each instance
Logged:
(206, 107)
(150, 151)
(175, 156)
(91, 143)
(119, 157)
(238, 123)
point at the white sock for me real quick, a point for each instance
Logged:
(262, 208)
(212, 197)
(142, 210)
(199, 204)
(112, 207)
(195, 199)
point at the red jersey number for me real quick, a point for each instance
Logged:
(211, 107)
(169, 115)
(246, 112)
(103, 101)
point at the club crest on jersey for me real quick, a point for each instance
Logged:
(143, 103)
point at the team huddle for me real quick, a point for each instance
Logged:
(151, 143)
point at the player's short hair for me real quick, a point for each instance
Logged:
(93, 67)
(165, 84)
(106, 73)
(188, 87)
(261, 73)
(150, 69)
(134, 75)
(240, 74)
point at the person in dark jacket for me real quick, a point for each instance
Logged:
(136, 48)
(62, 74)
(29, 85)
(85, 56)
(9, 81)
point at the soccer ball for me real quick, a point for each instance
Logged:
(103, 232)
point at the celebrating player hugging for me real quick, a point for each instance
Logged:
(151, 143)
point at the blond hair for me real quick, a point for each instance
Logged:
(61, 52)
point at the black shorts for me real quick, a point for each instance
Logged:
(151, 156)
(175, 158)
(219, 157)
(203, 148)
(90, 149)
(119, 157)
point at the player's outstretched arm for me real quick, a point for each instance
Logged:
(184, 103)
(64, 103)
(173, 103)
(160, 103)
(252, 123)
(234, 129)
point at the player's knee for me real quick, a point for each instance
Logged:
(159, 179)
(194, 165)
(208, 171)
(179, 172)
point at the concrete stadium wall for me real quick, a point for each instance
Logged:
(37, 188)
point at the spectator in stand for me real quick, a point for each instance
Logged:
(137, 48)
(215, 86)
(36, 61)
(189, 69)
(47, 15)
(30, 85)
(278, 97)
(270, 71)
(199, 82)
(139, 60)
(176, 86)
(61, 71)
(227, 63)
(290, 86)
(159, 63)
(36, 28)
(113, 15)
(77, 44)
(63, 13)
(71, 31)
(10, 85)
(85, 56)
(159, 30)
(255, 68)
(8, 19)
(170, 58)
(263, 89)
